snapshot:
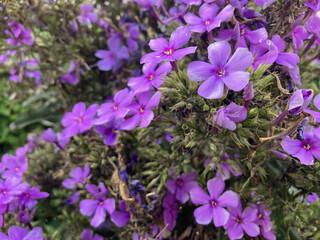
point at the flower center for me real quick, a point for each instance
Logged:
(307, 146)
(101, 202)
(207, 22)
(239, 220)
(17, 169)
(179, 183)
(213, 203)
(260, 215)
(243, 31)
(4, 191)
(115, 107)
(27, 195)
(221, 72)
(79, 119)
(150, 77)
(168, 51)
(141, 110)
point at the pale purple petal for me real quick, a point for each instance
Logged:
(235, 231)
(198, 196)
(159, 44)
(88, 206)
(218, 53)
(240, 60)
(203, 214)
(291, 146)
(229, 199)
(220, 216)
(180, 37)
(215, 187)
(199, 71)
(98, 217)
(179, 54)
(251, 228)
(212, 88)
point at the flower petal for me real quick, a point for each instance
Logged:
(212, 88)
(240, 60)
(198, 196)
(203, 214)
(199, 71)
(218, 53)
(220, 216)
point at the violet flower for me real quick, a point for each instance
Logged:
(87, 16)
(299, 33)
(221, 71)
(49, 136)
(264, 222)
(97, 207)
(71, 76)
(24, 36)
(134, 32)
(242, 221)
(87, 234)
(27, 197)
(208, 19)
(165, 51)
(152, 77)
(313, 197)
(289, 60)
(314, 4)
(305, 150)
(19, 233)
(15, 166)
(109, 130)
(182, 185)
(10, 188)
(227, 170)
(226, 117)
(111, 59)
(170, 211)
(73, 198)
(299, 101)
(79, 120)
(122, 216)
(78, 175)
(243, 33)
(264, 3)
(142, 110)
(118, 109)
(264, 52)
(213, 204)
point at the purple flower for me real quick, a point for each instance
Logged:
(226, 117)
(305, 150)
(264, 52)
(118, 109)
(78, 175)
(24, 217)
(73, 198)
(87, 234)
(213, 204)
(109, 130)
(10, 188)
(242, 221)
(122, 216)
(71, 76)
(87, 16)
(134, 32)
(165, 51)
(208, 19)
(142, 110)
(98, 206)
(227, 170)
(170, 211)
(21, 35)
(263, 220)
(314, 4)
(19, 233)
(73, 26)
(279, 155)
(264, 3)
(152, 77)
(313, 197)
(299, 33)
(316, 101)
(242, 33)
(182, 185)
(15, 28)
(149, 3)
(15, 166)
(28, 195)
(299, 101)
(221, 71)
(287, 59)
(79, 120)
(111, 59)
(313, 24)
(49, 136)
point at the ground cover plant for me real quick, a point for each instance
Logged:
(159, 119)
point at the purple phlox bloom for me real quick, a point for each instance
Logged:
(19, 233)
(192, 2)
(182, 185)
(170, 211)
(314, 4)
(235, 3)
(87, 234)
(134, 32)
(97, 207)
(121, 216)
(73, 26)
(28, 196)
(264, 52)
(15, 166)
(169, 51)
(222, 70)
(49, 136)
(71, 77)
(299, 101)
(87, 16)
(313, 25)
(142, 110)
(242, 221)
(313, 197)
(20, 35)
(117, 109)
(264, 3)
(248, 92)
(152, 77)
(15, 28)
(79, 120)
(33, 141)
(305, 150)
(263, 220)
(148, 4)
(226, 169)
(112, 59)
(299, 33)
(73, 198)
(208, 19)
(213, 204)
(242, 33)
(289, 60)
(10, 188)
(24, 217)
(109, 130)
(78, 175)
(226, 117)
